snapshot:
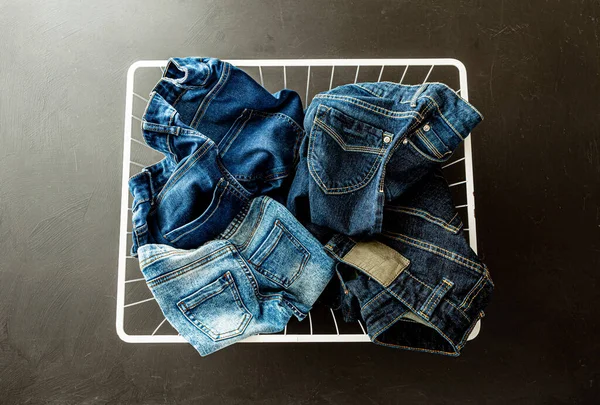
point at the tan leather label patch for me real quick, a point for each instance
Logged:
(379, 261)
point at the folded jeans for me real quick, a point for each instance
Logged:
(264, 268)
(418, 285)
(257, 133)
(367, 144)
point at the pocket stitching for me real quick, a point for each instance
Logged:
(301, 249)
(297, 245)
(181, 171)
(429, 144)
(216, 336)
(414, 147)
(337, 190)
(262, 257)
(228, 139)
(252, 279)
(202, 261)
(442, 142)
(344, 145)
(217, 291)
(214, 209)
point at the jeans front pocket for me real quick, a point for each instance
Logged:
(281, 257)
(217, 309)
(344, 154)
(429, 145)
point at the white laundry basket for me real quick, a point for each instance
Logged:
(139, 319)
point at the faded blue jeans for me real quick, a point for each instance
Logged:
(264, 268)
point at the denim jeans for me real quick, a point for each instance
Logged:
(418, 285)
(187, 202)
(369, 143)
(264, 268)
(370, 173)
(257, 133)
(225, 139)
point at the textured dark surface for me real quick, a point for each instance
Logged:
(534, 73)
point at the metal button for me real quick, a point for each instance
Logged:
(387, 139)
(426, 127)
(405, 141)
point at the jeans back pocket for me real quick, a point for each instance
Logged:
(217, 309)
(281, 257)
(260, 149)
(211, 219)
(344, 153)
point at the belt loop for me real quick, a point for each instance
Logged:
(434, 299)
(420, 90)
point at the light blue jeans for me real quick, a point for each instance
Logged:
(264, 268)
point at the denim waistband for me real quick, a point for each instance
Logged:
(433, 103)
(195, 91)
(188, 74)
(410, 296)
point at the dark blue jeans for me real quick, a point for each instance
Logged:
(418, 285)
(184, 203)
(257, 133)
(367, 144)
(225, 139)
(370, 173)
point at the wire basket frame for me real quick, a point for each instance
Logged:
(139, 319)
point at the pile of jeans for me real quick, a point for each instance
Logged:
(259, 209)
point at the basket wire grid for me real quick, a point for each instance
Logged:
(139, 318)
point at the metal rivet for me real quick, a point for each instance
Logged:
(405, 141)
(426, 127)
(387, 139)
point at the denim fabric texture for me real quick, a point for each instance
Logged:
(418, 285)
(264, 268)
(187, 202)
(225, 139)
(360, 172)
(370, 172)
(367, 144)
